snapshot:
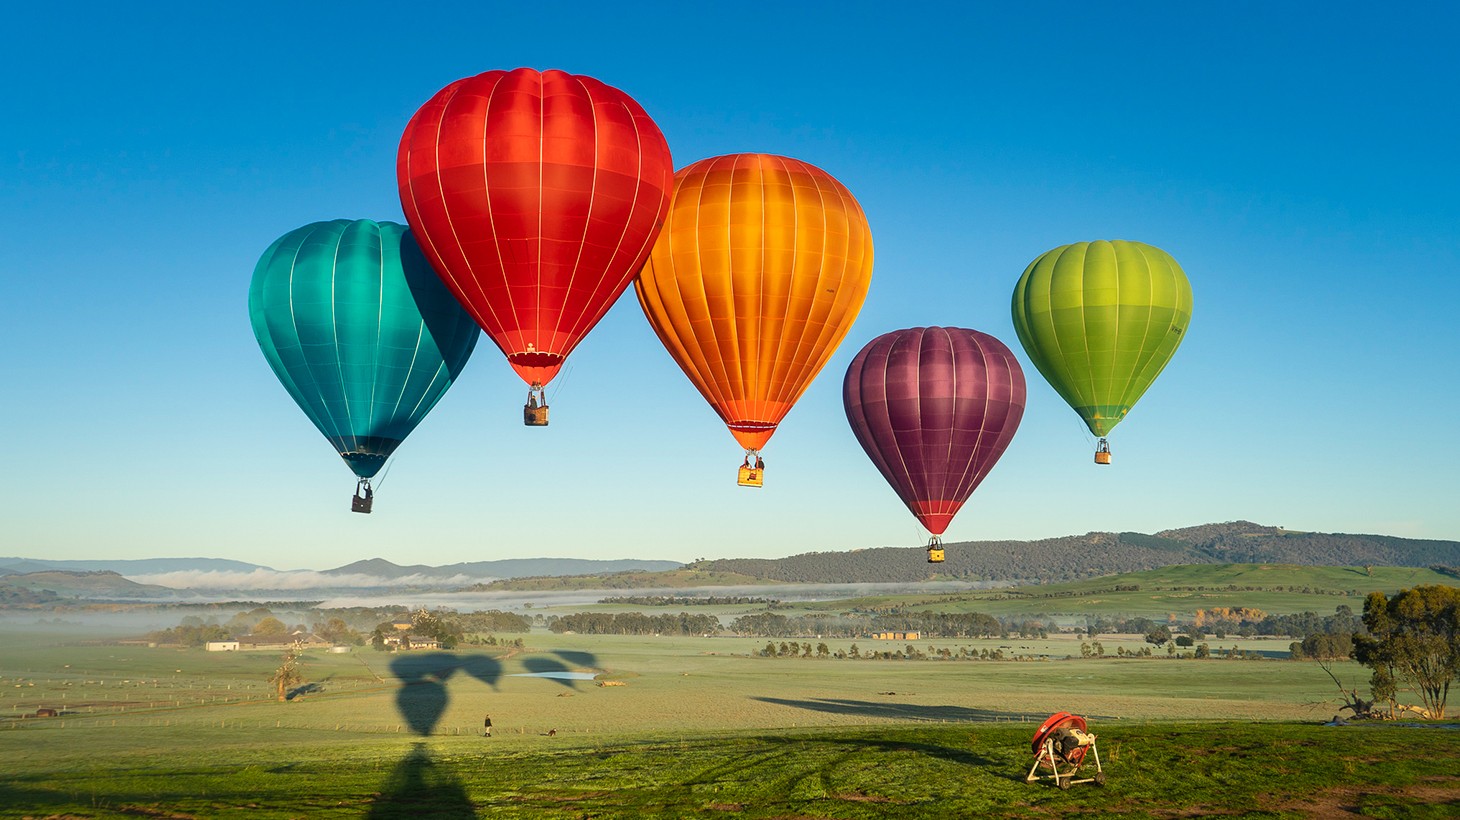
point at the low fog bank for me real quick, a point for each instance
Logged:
(23, 625)
(269, 580)
(518, 599)
(136, 620)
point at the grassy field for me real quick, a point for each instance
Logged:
(1257, 770)
(699, 727)
(705, 727)
(670, 684)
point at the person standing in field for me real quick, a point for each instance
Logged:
(487, 724)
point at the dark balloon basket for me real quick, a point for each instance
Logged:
(535, 416)
(362, 499)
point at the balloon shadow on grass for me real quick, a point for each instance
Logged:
(904, 711)
(578, 658)
(548, 667)
(422, 697)
(420, 787)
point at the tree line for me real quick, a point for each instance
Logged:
(633, 623)
(688, 600)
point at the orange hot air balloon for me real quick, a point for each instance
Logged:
(761, 268)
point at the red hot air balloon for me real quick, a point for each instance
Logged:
(934, 407)
(536, 196)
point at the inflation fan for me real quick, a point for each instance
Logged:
(1060, 746)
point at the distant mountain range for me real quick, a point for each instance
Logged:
(378, 567)
(1051, 559)
(124, 566)
(161, 577)
(504, 568)
(88, 584)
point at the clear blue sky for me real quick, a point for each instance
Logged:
(1299, 160)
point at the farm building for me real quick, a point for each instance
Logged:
(406, 642)
(281, 642)
(895, 636)
(221, 646)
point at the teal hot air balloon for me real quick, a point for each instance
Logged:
(361, 332)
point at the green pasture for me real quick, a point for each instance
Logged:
(668, 684)
(971, 769)
(705, 727)
(699, 727)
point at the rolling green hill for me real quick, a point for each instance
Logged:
(84, 585)
(1049, 560)
(1176, 590)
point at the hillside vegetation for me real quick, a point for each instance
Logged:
(1175, 591)
(82, 584)
(1048, 560)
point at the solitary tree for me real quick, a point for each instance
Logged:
(1413, 643)
(288, 675)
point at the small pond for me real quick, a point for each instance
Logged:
(555, 675)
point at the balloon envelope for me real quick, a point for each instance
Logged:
(536, 196)
(759, 273)
(934, 407)
(1101, 320)
(360, 331)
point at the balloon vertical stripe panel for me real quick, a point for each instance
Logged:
(761, 270)
(360, 331)
(1100, 320)
(934, 408)
(537, 197)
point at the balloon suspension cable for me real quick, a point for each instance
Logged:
(935, 541)
(385, 471)
(560, 382)
(363, 498)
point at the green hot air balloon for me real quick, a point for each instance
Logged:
(1100, 320)
(361, 332)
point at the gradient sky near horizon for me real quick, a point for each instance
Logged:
(1299, 161)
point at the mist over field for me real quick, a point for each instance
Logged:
(515, 599)
(275, 580)
(17, 627)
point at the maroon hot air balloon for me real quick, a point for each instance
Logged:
(934, 407)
